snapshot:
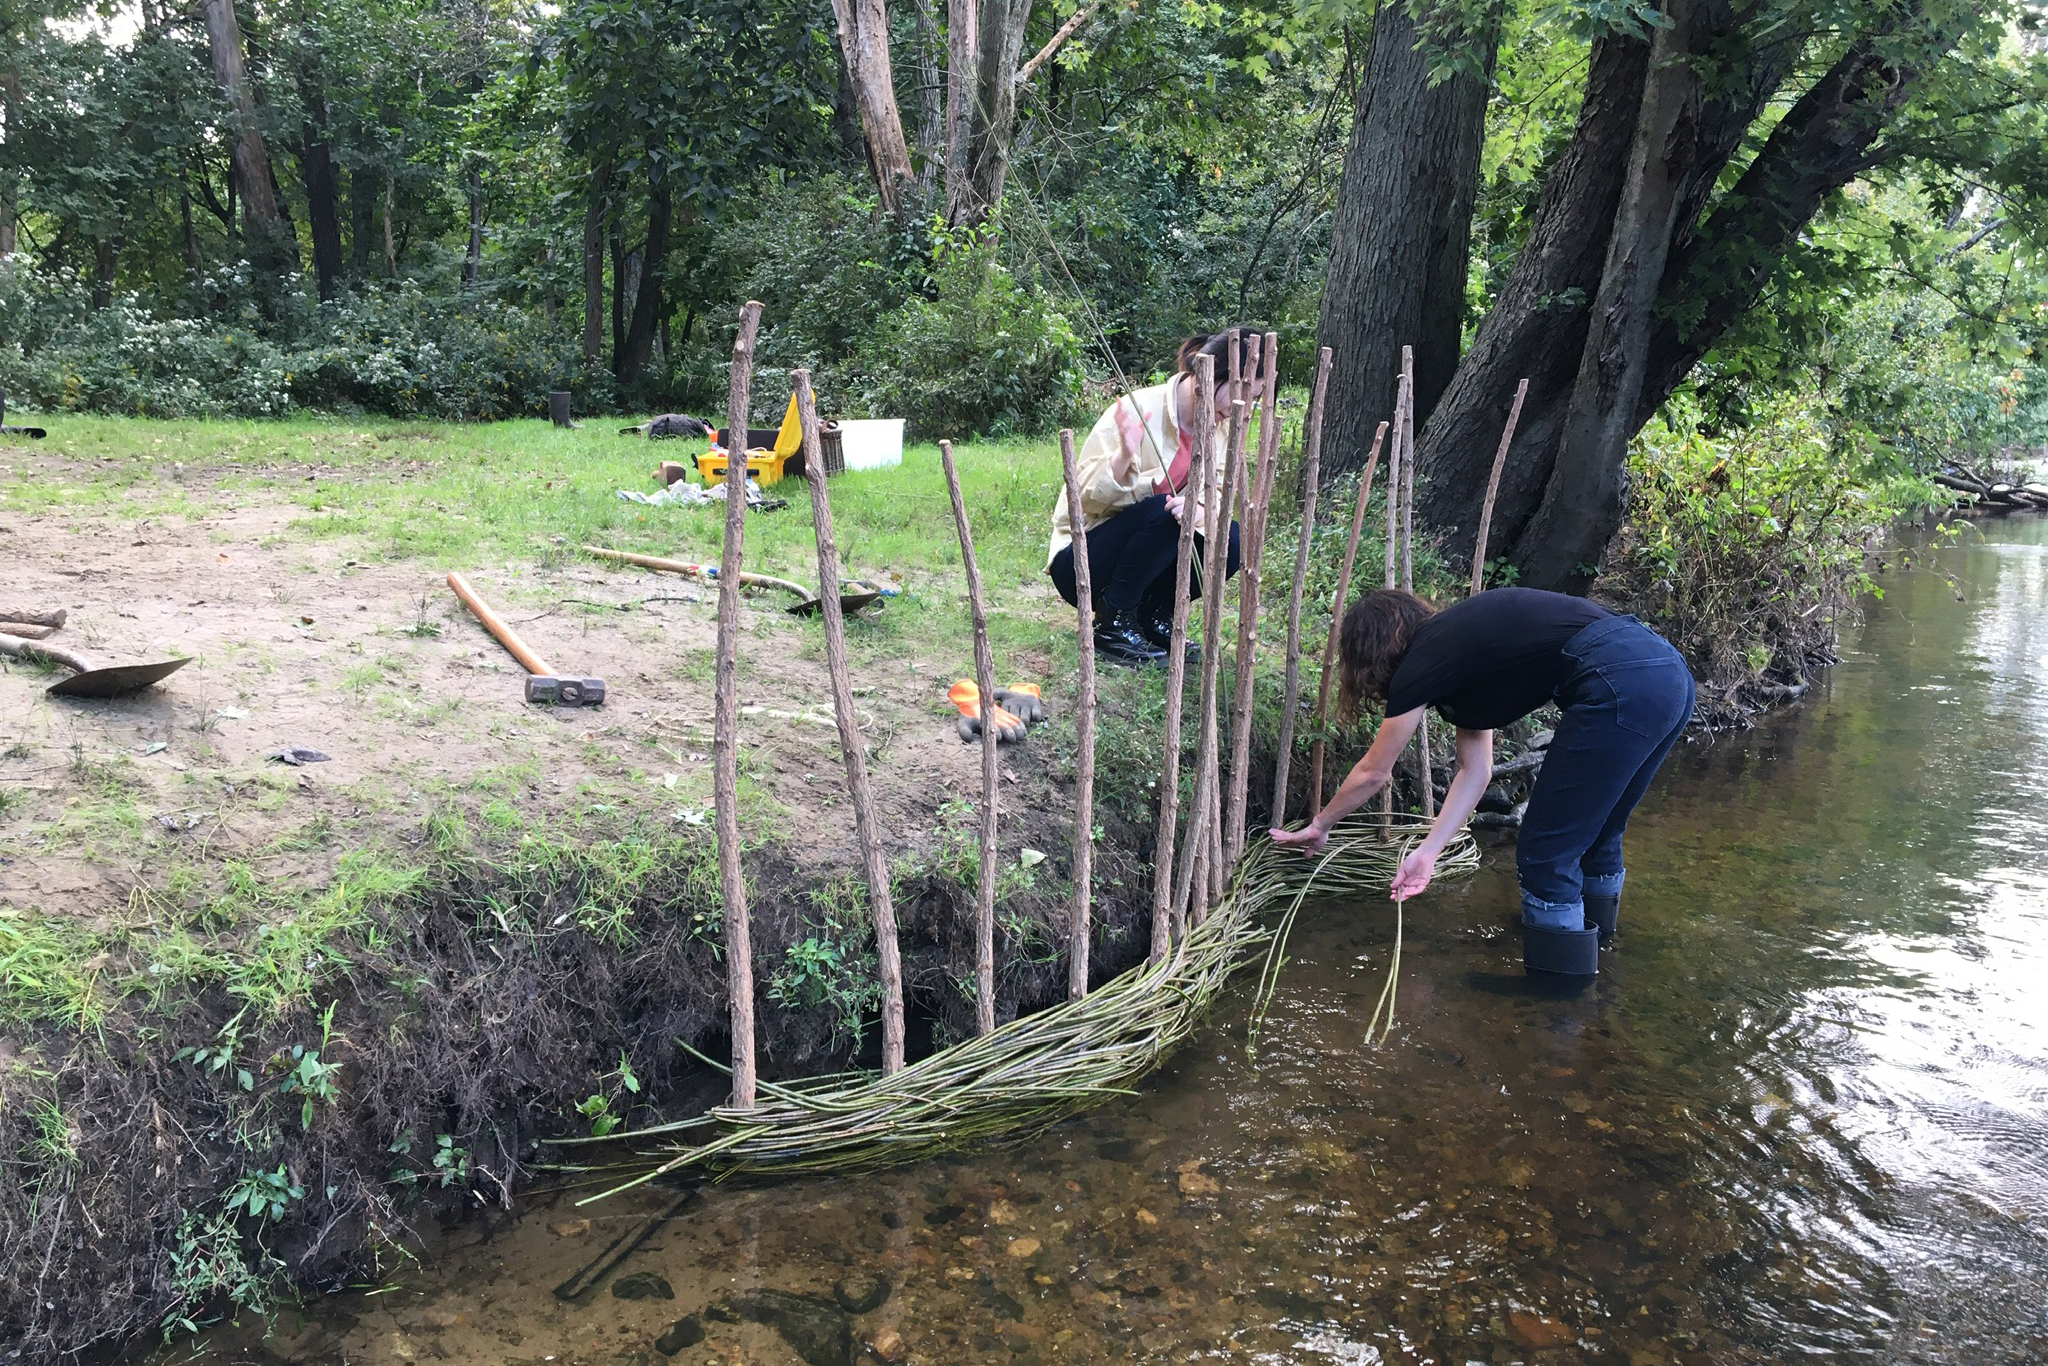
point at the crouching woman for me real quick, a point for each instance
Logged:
(1139, 474)
(1625, 697)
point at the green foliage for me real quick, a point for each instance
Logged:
(210, 1261)
(264, 1194)
(981, 355)
(1745, 547)
(833, 968)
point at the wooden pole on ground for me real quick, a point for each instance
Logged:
(1290, 697)
(1500, 461)
(1084, 733)
(852, 748)
(1256, 510)
(1329, 670)
(725, 725)
(1216, 556)
(1199, 465)
(985, 682)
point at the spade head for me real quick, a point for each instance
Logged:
(115, 681)
(849, 603)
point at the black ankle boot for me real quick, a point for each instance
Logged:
(1157, 624)
(1603, 913)
(1567, 953)
(1121, 639)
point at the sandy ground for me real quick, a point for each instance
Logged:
(297, 644)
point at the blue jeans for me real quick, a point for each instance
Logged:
(1626, 701)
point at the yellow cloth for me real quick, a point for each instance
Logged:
(1142, 427)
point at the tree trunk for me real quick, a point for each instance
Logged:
(390, 212)
(362, 213)
(593, 266)
(963, 54)
(864, 42)
(928, 71)
(106, 255)
(647, 310)
(263, 227)
(323, 214)
(992, 119)
(186, 235)
(1823, 142)
(473, 255)
(1402, 234)
(1537, 326)
(1584, 498)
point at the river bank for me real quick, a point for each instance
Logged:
(265, 1020)
(1801, 1113)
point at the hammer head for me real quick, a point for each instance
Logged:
(565, 692)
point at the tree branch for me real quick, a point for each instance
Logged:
(1053, 45)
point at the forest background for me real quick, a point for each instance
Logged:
(1783, 233)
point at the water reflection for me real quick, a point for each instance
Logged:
(1803, 1112)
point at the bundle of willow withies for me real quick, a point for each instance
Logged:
(1040, 1069)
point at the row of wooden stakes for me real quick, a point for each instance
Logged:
(1191, 873)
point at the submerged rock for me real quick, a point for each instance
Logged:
(860, 1292)
(684, 1332)
(1535, 1332)
(816, 1329)
(642, 1285)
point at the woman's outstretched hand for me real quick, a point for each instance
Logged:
(1414, 874)
(1308, 839)
(1175, 503)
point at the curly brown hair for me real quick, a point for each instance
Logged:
(1375, 635)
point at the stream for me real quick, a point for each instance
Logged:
(1803, 1112)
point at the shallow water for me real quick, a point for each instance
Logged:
(1802, 1113)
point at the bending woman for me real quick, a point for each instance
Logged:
(1134, 472)
(1487, 662)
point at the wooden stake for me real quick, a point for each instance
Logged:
(725, 725)
(1404, 397)
(1408, 563)
(1216, 557)
(1500, 460)
(1290, 697)
(1200, 467)
(1329, 670)
(852, 748)
(1084, 733)
(1254, 553)
(985, 680)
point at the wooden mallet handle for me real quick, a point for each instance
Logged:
(495, 624)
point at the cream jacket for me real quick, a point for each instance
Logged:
(1141, 427)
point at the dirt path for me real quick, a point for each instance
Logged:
(296, 644)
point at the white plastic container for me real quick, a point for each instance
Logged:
(872, 442)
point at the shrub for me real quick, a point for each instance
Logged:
(981, 355)
(1749, 549)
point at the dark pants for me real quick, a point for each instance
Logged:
(1626, 702)
(1131, 557)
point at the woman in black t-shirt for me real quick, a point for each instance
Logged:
(1626, 697)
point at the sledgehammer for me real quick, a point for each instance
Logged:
(542, 683)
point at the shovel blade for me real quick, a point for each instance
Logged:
(115, 681)
(849, 603)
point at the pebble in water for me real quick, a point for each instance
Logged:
(642, 1285)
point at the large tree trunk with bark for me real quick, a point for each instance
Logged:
(362, 213)
(264, 232)
(975, 186)
(1402, 235)
(1583, 500)
(1538, 325)
(864, 44)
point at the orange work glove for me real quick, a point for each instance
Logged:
(967, 697)
(1023, 701)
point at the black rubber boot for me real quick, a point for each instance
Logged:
(1120, 639)
(1564, 953)
(1603, 913)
